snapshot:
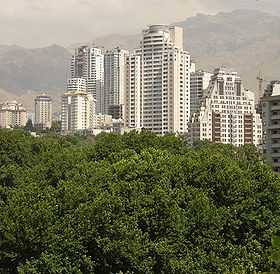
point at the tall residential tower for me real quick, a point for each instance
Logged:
(133, 92)
(199, 82)
(115, 81)
(88, 63)
(165, 80)
(43, 111)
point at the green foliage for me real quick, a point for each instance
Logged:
(55, 127)
(275, 240)
(275, 255)
(135, 203)
(29, 125)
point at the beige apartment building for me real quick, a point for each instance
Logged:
(199, 82)
(226, 113)
(114, 81)
(77, 111)
(133, 94)
(12, 114)
(43, 111)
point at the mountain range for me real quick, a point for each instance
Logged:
(246, 41)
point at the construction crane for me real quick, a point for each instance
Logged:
(261, 80)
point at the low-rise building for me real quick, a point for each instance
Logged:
(12, 114)
(103, 120)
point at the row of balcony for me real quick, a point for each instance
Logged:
(277, 107)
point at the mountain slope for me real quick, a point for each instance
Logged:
(244, 40)
(205, 35)
(44, 69)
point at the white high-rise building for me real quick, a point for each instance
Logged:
(77, 111)
(43, 110)
(12, 114)
(165, 80)
(199, 81)
(114, 80)
(93, 72)
(76, 84)
(88, 63)
(133, 94)
(226, 113)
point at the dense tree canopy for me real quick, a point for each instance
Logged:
(135, 203)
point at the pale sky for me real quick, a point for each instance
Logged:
(40, 23)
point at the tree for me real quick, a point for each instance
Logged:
(135, 203)
(29, 125)
(56, 126)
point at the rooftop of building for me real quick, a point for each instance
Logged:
(43, 96)
(77, 92)
(271, 98)
(225, 71)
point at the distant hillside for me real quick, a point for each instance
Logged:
(44, 69)
(206, 35)
(244, 40)
(128, 42)
(247, 41)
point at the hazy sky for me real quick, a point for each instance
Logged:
(39, 23)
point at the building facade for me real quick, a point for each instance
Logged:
(12, 114)
(199, 82)
(88, 63)
(271, 124)
(133, 91)
(165, 80)
(77, 62)
(43, 110)
(226, 113)
(74, 84)
(77, 111)
(114, 77)
(103, 120)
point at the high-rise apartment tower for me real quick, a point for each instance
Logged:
(88, 63)
(43, 110)
(199, 82)
(165, 80)
(115, 81)
(226, 113)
